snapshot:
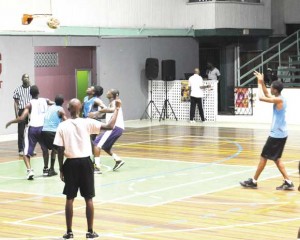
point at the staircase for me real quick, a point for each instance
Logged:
(283, 58)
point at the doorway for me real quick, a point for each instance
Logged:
(83, 81)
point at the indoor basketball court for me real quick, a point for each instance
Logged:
(180, 181)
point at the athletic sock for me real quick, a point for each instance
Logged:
(97, 161)
(253, 180)
(116, 157)
(288, 181)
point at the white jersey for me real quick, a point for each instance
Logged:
(120, 118)
(38, 111)
(74, 135)
(195, 82)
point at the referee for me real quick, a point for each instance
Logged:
(21, 97)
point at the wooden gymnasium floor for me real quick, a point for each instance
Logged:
(180, 181)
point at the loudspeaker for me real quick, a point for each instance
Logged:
(151, 68)
(168, 72)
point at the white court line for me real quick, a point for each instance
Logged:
(111, 235)
(13, 178)
(214, 228)
(187, 184)
(21, 200)
(147, 141)
(129, 196)
(149, 192)
(239, 203)
(212, 191)
(133, 195)
(37, 194)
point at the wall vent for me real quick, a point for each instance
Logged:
(45, 59)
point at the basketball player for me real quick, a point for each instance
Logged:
(274, 146)
(36, 109)
(107, 139)
(54, 116)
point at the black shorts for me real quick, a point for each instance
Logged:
(273, 148)
(48, 138)
(79, 174)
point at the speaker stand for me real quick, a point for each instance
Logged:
(164, 112)
(150, 104)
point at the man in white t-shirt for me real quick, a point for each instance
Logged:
(196, 87)
(73, 141)
(212, 72)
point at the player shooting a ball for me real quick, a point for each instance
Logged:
(275, 143)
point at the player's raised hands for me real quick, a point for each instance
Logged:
(259, 76)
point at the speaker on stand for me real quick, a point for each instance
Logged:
(168, 74)
(151, 72)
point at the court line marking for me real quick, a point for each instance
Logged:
(238, 203)
(123, 197)
(170, 160)
(104, 201)
(193, 195)
(21, 200)
(144, 179)
(214, 227)
(82, 233)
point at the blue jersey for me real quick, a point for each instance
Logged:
(279, 126)
(52, 119)
(87, 105)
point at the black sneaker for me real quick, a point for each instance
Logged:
(249, 183)
(286, 186)
(45, 172)
(51, 172)
(68, 235)
(118, 164)
(91, 235)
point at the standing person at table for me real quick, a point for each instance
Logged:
(107, 139)
(54, 116)
(36, 110)
(212, 72)
(21, 97)
(73, 141)
(274, 146)
(196, 87)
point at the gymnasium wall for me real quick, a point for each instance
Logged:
(120, 64)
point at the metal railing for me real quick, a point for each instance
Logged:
(245, 72)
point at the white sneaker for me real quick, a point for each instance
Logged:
(30, 174)
(192, 121)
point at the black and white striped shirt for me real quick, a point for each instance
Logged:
(22, 95)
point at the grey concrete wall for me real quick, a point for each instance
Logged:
(120, 64)
(17, 59)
